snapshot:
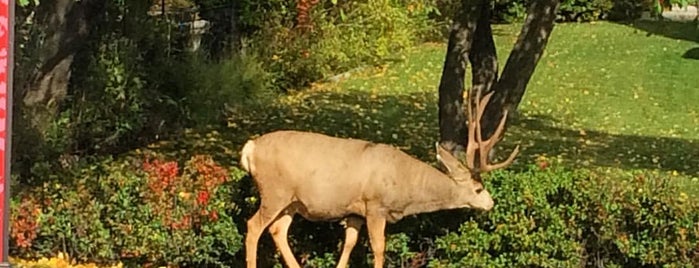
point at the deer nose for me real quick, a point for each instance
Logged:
(489, 205)
(488, 202)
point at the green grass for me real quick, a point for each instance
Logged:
(610, 97)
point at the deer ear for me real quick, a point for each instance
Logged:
(447, 159)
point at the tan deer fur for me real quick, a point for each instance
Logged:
(325, 178)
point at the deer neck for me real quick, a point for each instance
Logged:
(435, 191)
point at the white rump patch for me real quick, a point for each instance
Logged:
(246, 156)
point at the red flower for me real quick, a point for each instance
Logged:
(203, 197)
(213, 215)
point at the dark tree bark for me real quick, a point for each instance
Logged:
(483, 55)
(66, 25)
(478, 46)
(452, 121)
(521, 63)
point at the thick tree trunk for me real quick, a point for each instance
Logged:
(65, 24)
(483, 56)
(521, 63)
(452, 121)
(471, 37)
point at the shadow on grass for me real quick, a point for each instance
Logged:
(692, 53)
(410, 122)
(671, 29)
(601, 149)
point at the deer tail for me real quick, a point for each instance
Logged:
(246, 156)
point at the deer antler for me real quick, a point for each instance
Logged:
(475, 138)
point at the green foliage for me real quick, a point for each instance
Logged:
(639, 219)
(528, 226)
(660, 5)
(629, 9)
(113, 97)
(584, 10)
(135, 211)
(130, 85)
(340, 37)
(576, 10)
(23, 3)
(214, 88)
(113, 102)
(556, 218)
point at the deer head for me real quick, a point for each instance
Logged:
(477, 150)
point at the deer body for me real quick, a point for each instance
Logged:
(324, 178)
(332, 178)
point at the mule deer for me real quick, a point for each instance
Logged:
(324, 178)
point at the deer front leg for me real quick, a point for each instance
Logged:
(376, 225)
(352, 226)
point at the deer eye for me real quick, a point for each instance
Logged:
(479, 190)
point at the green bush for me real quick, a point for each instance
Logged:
(528, 226)
(136, 210)
(214, 88)
(107, 108)
(143, 210)
(576, 10)
(629, 9)
(340, 37)
(557, 218)
(641, 219)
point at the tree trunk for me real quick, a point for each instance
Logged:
(483, 56)
(521, 63)
(65, 24)
(472, 38)
(452, 121)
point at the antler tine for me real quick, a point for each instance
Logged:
(488, 145)
(475, 139)
(474, 121)
(485, 147)
(482, 104)
(507, 162)
(470, 143)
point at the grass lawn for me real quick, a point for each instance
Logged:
(608, 97)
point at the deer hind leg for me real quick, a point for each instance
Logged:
(352, 226)
(375, 226)
(256, 225)
(279, 231)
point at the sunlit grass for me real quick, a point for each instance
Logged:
(608, 97)
(603, 95)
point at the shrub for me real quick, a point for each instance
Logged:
(629, 9)
(576, 10)
(135, 211)
(338, 37)
(640, 219)
(557, 218)
(527, 227)
(213, 88)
